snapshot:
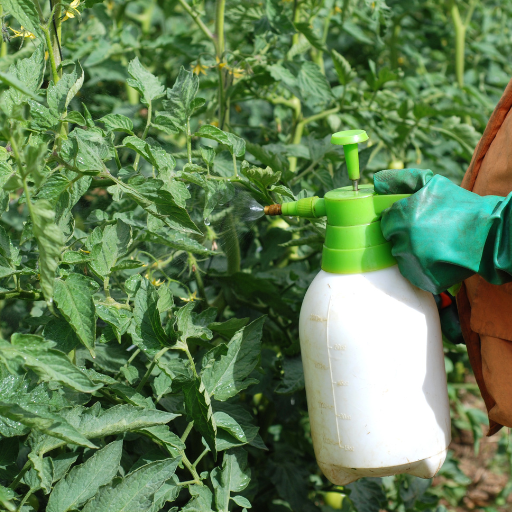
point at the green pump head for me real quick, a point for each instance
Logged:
(353, 241)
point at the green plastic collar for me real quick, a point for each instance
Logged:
(353, 239)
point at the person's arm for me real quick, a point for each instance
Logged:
(443, 233)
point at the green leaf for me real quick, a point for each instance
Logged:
(201, 501)
(199, 410)
(241, 501)
(192, 325)
(262, 177)
(235, 144)
(136, 492)
(228, 328)
(150, 335)
(76, 118)
(148, 85)
(59, 95)
(312, 83)
(93, 422)
(118, 319)
(115, 241)
(118, 123)
(38, 417)
(227, 375)
(162, 435)
(13, 82)
(50, 240)
(179, 103)
(342, 67)
(25, 12)
(59, 331)
(28, 72)
(233, 477)
(180, 242)
(84, 481)
(367, 495)
(151, 150)
(74, 300)
(306, 29)
(6, 495)
(30, 352)
(293, 379)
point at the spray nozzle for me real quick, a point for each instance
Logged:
(349, 139)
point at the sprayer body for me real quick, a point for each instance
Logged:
(375, 380)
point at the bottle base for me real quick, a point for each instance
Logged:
(426, 468)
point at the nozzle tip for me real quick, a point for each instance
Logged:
(273, 209)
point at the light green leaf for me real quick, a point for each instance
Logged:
(84, 481)
(241, 501)
(150, 335)
(235, 144)
(136, 492)
(179, 104)
(74, 300)
(342, 67)
(30, 352)
(306, 29)
(114, 243)
(6, 495)
(50, 240)
(199, 410)
(312, 83)
(201, 499)
(147, 84)
(28, 72)
(76, 118)
(192, 325)
(262, 177)
(13, 82)
(118, 123)
(38, 417)
(234, 477)
(151, 150)
(227, 375)
(60, 95)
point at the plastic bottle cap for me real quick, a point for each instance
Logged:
(349, 137)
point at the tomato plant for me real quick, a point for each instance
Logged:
(149, 315)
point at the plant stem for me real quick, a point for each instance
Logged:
(190, 467)
(195, 16)
(144, 134)
(219, 26)
(187, 431)
(235, 169)
(21, 294)
(51, 55)
(142, 383)
(189, 142)
(20, 475)
(24, 500)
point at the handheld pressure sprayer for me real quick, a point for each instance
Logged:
(371, 343)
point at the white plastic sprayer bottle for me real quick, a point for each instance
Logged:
(371, 344)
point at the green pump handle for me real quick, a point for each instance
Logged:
(353, 240)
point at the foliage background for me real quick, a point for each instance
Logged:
(129, 318)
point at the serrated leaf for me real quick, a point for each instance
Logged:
(367, 494)
(151, 150)
(262, 177)
(199, 410)
(312, 83)
(12, 81)
(147, 84)
(306, 29)
(151, 337)
(84, 481)
(59, 95)
(228, 328)
(118, 123)
(30, 352)
(74, 300)
(180, 242)
(293, 379)
(227, 375)
(76, 118)
(179, 103)
(50, 240)
(192, 325)
(201, 501)
(41, 419)
(342, 67)
(136, 492)
(235, 144)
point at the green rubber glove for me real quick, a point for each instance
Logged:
(443, 233)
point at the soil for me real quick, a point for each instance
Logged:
(488, 470)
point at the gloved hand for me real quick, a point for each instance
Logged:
(443, 233)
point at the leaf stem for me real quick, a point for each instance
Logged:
(21, 294)
(198, 460)
(189, 142)
(190, 467)
(195, 16)
(142, 383)
(24, 500)
(187, 431)
(20, 475)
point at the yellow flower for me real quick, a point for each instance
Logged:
(192, 298)
(237, 72)
(70, 14)
(22, 33)
(156, 282)
(198, 68)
